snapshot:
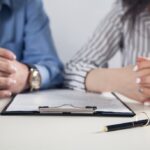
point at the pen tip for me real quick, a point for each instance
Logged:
(104, 129)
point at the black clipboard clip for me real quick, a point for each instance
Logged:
(67, 108)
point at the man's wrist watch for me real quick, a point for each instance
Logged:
(34, 79)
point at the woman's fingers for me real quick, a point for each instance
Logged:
(145, 91)
(147, 103)
(141, 59)
(145, 80)
(144, 65)
(144, 84)
(143, 73)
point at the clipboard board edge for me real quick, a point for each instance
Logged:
(124, 103)
(98, 114)
(5, 108)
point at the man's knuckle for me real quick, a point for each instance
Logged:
(8, 66)
(8, 82)
(3, 94)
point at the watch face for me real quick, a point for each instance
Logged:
(35, 80)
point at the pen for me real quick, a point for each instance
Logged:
(126, 125)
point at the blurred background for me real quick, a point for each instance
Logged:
(74, 21)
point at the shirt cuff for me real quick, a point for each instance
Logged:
(45, 76)
(75, 78)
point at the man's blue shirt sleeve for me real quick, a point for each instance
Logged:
(39, 47)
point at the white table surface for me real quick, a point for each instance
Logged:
(70, 133)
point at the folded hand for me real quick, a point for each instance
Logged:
(143, 70)
(13, 74)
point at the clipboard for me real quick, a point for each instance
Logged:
(67, 103)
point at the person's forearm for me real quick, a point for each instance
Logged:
(124, 81)
(103, 80)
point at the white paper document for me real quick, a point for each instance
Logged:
(58, 98)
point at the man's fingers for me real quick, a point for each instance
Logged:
(5, 94)
(4, 53)
(2, 74)
(7, 67)
(6, 83)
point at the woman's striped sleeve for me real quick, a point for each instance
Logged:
(102, 46)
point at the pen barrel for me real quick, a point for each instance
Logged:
(127, 125)
(119, 127)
